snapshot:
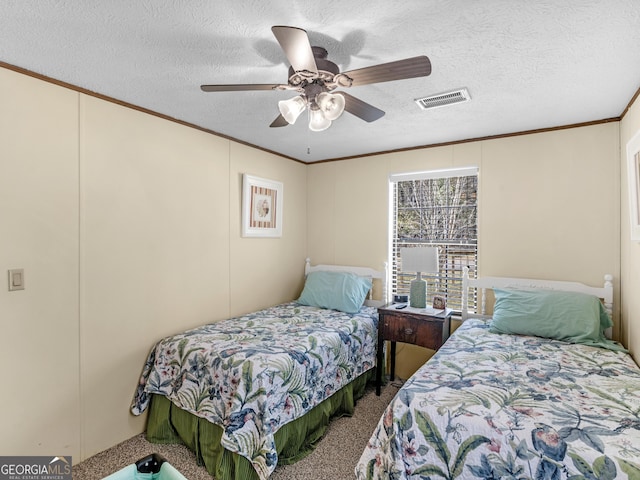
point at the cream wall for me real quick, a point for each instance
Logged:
(630, 258)
(267, 270)
(40, 392)
(128, 228)
(548, 207)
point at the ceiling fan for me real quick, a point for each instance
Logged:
(315, 78)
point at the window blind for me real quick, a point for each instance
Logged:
(435, 208)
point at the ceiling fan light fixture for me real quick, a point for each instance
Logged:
(292, 108)
(331, 104)
(317, 121)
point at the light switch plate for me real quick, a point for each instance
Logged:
(16, 279)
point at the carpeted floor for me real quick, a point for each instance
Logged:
(334, 458)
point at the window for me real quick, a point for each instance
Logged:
(437, 208)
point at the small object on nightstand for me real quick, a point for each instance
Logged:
(439, 302)
(419, 260)
(401, 306)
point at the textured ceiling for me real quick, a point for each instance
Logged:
(527, 64)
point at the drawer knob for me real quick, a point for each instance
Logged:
(408, 331)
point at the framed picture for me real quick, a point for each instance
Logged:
(261, 207)
(439, 302)
(633, 172)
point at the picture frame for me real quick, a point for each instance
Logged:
(261, 207)
(439, 302)
(633, 174)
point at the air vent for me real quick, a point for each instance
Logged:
(443, 99)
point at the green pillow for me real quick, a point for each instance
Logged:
(569, 316)
(335, 290)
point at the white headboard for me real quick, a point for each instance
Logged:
(362, 271)
(605, 293)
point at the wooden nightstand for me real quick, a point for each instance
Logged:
(417, 326)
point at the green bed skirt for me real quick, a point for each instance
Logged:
(167, 423)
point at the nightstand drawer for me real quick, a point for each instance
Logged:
(417, 331)
(398, 329)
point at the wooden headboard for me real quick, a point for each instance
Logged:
(605, 293)
(380, 275)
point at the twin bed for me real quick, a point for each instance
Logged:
(534, 391)
(249, 392)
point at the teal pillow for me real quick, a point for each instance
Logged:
(568, 316)
(335, 290)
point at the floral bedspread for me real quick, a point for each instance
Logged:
(496, 406)
(255, 373)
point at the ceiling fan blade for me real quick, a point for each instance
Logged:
(295, 43)
(360, 109)
(408, 68)
(279, 122)
(237, 88)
